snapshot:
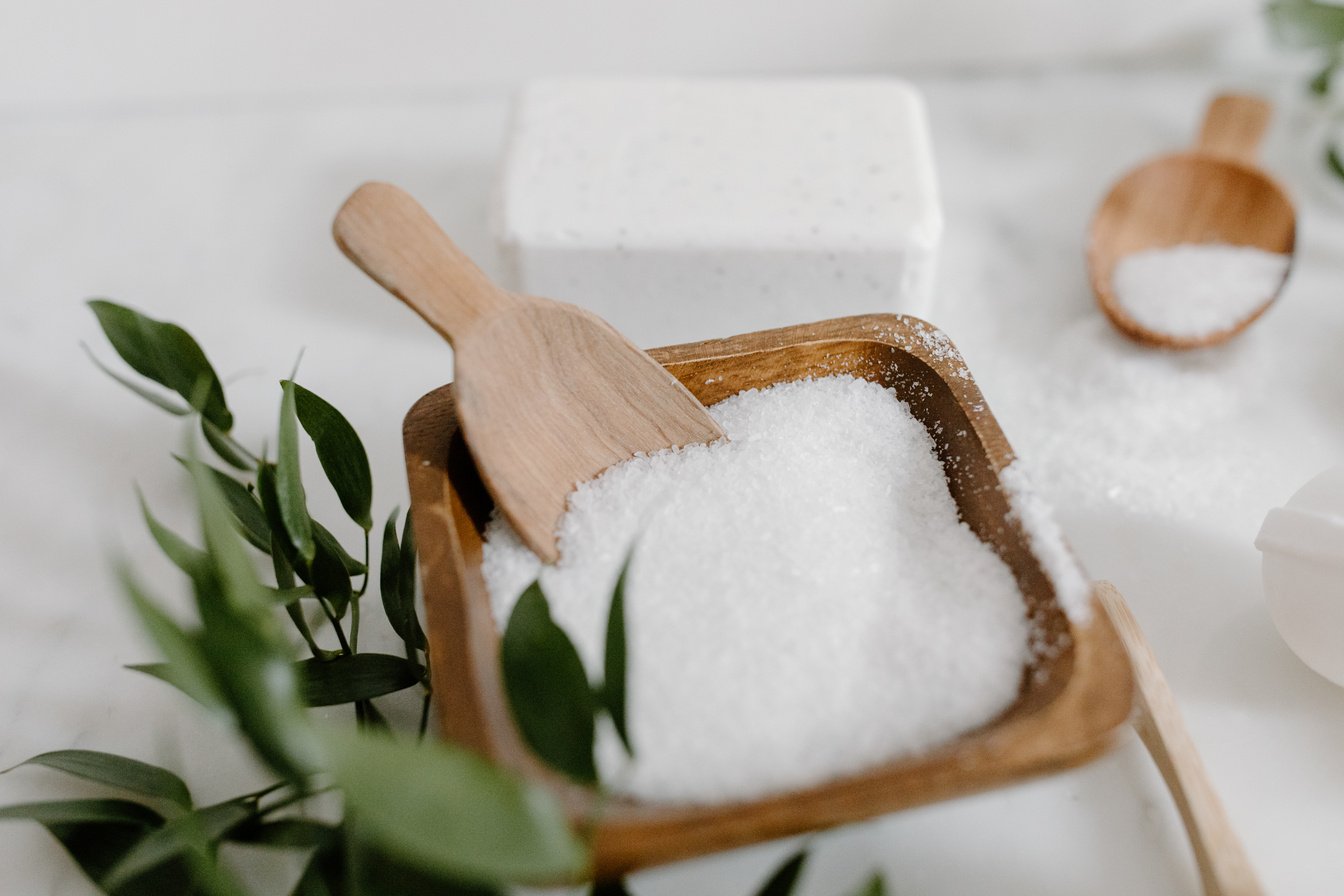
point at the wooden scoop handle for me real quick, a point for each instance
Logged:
(1224, 867)
(1233, 126)
(395, 241)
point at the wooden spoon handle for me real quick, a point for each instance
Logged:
(395, 241)
(1224, 866)
(1233, 126)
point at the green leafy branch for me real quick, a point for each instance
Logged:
(1313, 26)
(553, 704)
(416, 818)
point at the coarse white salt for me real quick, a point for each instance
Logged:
(804, 601)
(1108, 424)
(1073, 591)
(1195, 290)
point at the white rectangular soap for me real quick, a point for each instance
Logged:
(690, 209)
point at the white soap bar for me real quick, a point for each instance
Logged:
(690, 209)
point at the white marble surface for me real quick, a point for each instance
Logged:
(218, 218)
(155, 51)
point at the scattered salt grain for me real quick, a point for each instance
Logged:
(1195, 290)
(1108, 424)
(803, 603)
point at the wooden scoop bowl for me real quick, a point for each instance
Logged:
(548, 395)
(1212, 193)
(1070, 702)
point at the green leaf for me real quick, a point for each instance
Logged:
(389, 571)
(195, 832)
(374, 873)
(399, 600)
(292, 501)
(286, 833)
(326, 541)
(1305, 24)
(153, 398)
(261, 688)
(97, 833)
(547, 688)
(245, 506)
(406, 578)
(229, 568)
(286, 596)
(340, 452)
(186, 668)
(1320, 82)
(874, 886)
(117, 771)
(612, 693)
(270, 506)
(242, 644)
(1334, 161)
(324, 875)
(328, 576)
(445, 811)
(97, 846)
(161, 671)
(78, 811)
(235, 667)
(330, 561)
(608, 888)
(785, 878)
(184, 556)
(226, 448)
(166, 354)
(351, 677)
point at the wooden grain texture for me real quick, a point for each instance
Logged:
(1224, 867)
(548, 395)
(1212, 193)
(1071, 700)
(1233, 126)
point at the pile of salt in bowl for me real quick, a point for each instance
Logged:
(803, 600)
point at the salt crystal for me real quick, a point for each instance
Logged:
(1194, 290)
(1109, 424)
(1073, 590)
(804, 601)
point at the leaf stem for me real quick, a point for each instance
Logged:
(284, 578)
(295, 613)
(424, 714)
(233, 443)
(354, 600)
(298, 796)
(335, 625)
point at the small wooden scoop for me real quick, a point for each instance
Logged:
(1210, 194)
(548, 395)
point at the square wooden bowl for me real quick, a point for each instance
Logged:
(1071, 700)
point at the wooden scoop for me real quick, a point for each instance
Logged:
(1210, 194)
(1224, 867)
(548, 395)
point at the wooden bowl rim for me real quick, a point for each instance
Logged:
(1073, 727)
